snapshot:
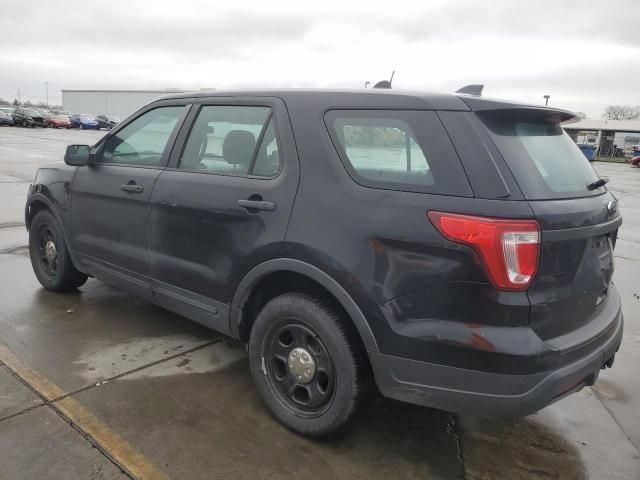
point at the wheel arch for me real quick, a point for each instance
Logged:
(241, 317)
(37, 203)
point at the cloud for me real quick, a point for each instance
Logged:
(580, 52)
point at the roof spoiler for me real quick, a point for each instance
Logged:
(475, 90)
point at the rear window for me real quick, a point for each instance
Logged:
(404, 150)
(546, 163)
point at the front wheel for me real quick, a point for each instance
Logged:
(50, 257)
(308, 365)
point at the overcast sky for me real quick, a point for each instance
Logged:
(585, 54)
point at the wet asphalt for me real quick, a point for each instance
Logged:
(100, 385)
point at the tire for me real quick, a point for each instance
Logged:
(52, 266)
(339, 381)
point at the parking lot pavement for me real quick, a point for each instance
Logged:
(98, 384)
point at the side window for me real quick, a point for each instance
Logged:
(383, 150)
(406, 150)
(232, 140)
(143, 141)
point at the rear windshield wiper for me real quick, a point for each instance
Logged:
(597, 184)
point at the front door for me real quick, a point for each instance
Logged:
(110, 198)
(222, 206)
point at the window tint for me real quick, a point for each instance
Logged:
(232, 140)
(406, 150)
(383, 150)
(542, 157)
(143, 141)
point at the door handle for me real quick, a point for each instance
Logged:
(132, 188)
(257, 205)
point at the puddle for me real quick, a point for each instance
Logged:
(521, 449)
(206, 360)
(104, 361)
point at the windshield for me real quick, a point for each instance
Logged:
(86, 118)
(32, 112)
(547, 164)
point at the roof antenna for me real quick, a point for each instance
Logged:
(475, 90)
(385, 83)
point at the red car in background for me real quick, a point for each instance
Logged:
(59, 121)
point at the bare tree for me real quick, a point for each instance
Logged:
(621, 112)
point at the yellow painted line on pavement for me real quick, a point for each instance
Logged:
(113, 445)
(44, 387)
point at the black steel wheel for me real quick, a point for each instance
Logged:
(48, 250)
(50, 257)
(308, 364)
(299, 367)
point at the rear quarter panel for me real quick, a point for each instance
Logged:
(380, 246)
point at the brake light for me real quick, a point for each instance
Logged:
(508, 249)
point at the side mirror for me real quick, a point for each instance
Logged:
(77, 155)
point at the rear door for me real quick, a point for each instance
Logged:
(222, 206)
(578, 217)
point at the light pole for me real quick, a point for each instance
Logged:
(47, 85)
(546, 99)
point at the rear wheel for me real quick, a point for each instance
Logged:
(308, 365)
(49, 255)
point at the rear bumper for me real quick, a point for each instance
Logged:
(486, 393)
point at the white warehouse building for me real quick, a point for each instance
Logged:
(120, 103)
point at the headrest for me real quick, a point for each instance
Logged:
(238, 146)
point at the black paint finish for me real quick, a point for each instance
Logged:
(186, 243)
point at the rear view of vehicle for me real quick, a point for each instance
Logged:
(453, 251)
(477, 241)
(514, 306)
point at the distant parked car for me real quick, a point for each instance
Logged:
(59, 121)
(84, 122)
(635, 161)
(5, 118)
(29, 117)
(107, 121)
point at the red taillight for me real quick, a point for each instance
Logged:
(508, 249)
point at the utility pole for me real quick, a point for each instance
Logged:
(47, 85)
(546, 99)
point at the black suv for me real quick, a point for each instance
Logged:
(29, 117)
(447, 250)
(107, 121)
